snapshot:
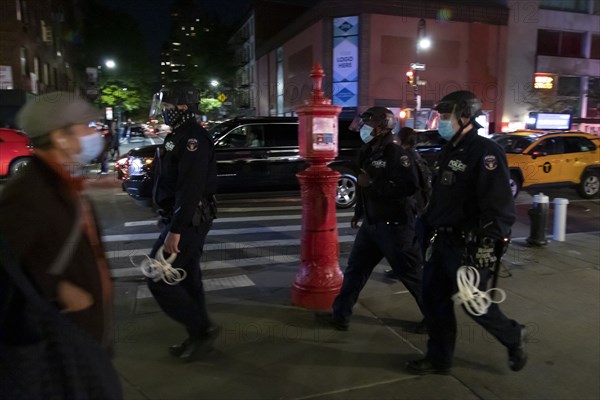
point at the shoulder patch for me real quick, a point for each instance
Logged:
(490, 162)
(404, 161)
(169, 146)
(192, 144)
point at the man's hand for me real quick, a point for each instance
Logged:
(363, 179)
(354, 222)
(171, 244)
(72, 298)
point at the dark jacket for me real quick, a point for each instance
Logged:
(37, 214)
(393, 181)
(471, 189)
(186, 173)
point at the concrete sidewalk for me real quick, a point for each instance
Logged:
(271, 350)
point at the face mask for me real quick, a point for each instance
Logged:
(91, 146)
(365, 133)
(175, 117)
(445, 130)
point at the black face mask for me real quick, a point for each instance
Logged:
(175, 117)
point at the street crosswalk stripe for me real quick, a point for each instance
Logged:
(209, 285)
(239, 219)
(225, 264)
(110, 254)
(216, 232)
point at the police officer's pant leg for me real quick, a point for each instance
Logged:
(438, 276)
(507, 331)
(185, 302)
(400, 247)
(364, 256)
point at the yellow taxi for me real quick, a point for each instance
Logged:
(553, 158)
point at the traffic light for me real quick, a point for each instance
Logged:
(410, 75)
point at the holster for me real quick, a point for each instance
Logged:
(206, 211)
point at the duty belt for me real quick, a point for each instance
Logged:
(449, 232)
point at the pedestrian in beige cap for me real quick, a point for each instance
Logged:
(48, 223)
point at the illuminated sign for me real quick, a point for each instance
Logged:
(345, 61)
(543, 81)
(552, 121)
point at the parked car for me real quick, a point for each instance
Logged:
(557, 158)
(259, 153)
(15, 151)
(135, 133)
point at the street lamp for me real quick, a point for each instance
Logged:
(423, 43)
(214, 83)
(110, 64)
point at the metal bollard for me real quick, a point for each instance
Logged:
(538, 215)
(560, 219)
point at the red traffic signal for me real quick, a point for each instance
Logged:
(411, 77)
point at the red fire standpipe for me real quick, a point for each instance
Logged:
(319, 279)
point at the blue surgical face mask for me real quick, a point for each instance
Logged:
(91, 147)
(445, 129)
(365, 133)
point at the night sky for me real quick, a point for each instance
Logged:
(153, 16)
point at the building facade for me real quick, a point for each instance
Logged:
(367, 47)
(34, 51)
(553, 61)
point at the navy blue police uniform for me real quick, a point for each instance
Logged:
(471, 198)
(185, 183)
(388, 227)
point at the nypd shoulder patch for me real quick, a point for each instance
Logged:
(404, 161)
(490, 162)
(192, 144)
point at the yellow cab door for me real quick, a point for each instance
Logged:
(579, 152)
(545, 162)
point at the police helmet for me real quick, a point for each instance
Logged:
(462, 103)
(177, 93)
(377, 117)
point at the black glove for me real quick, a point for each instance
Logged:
(354, 222)
(363, 179)
(481, 252)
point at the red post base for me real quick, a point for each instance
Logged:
(319, 279)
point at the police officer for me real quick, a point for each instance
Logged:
(471, 211)
(185, 183)
(387, 181)
(407, 138)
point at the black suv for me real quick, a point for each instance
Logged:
(253, 154)
(262, 153)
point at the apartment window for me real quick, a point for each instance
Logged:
(569, 86)
(595, 50)
(46, 73)
(579, 6)
(560, 43)
(18, 4)
(36, 67)
(23, 61)
(593, 103)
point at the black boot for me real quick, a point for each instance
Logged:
(424, 367)
(517, 357)
(198, 345)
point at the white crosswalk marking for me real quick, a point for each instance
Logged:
(210, 285)
(152, 222)
(223, 246)
(216, 232)
(223, 254)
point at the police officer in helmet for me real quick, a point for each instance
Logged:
(471, 212)
(386, 184)
(185, 183)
